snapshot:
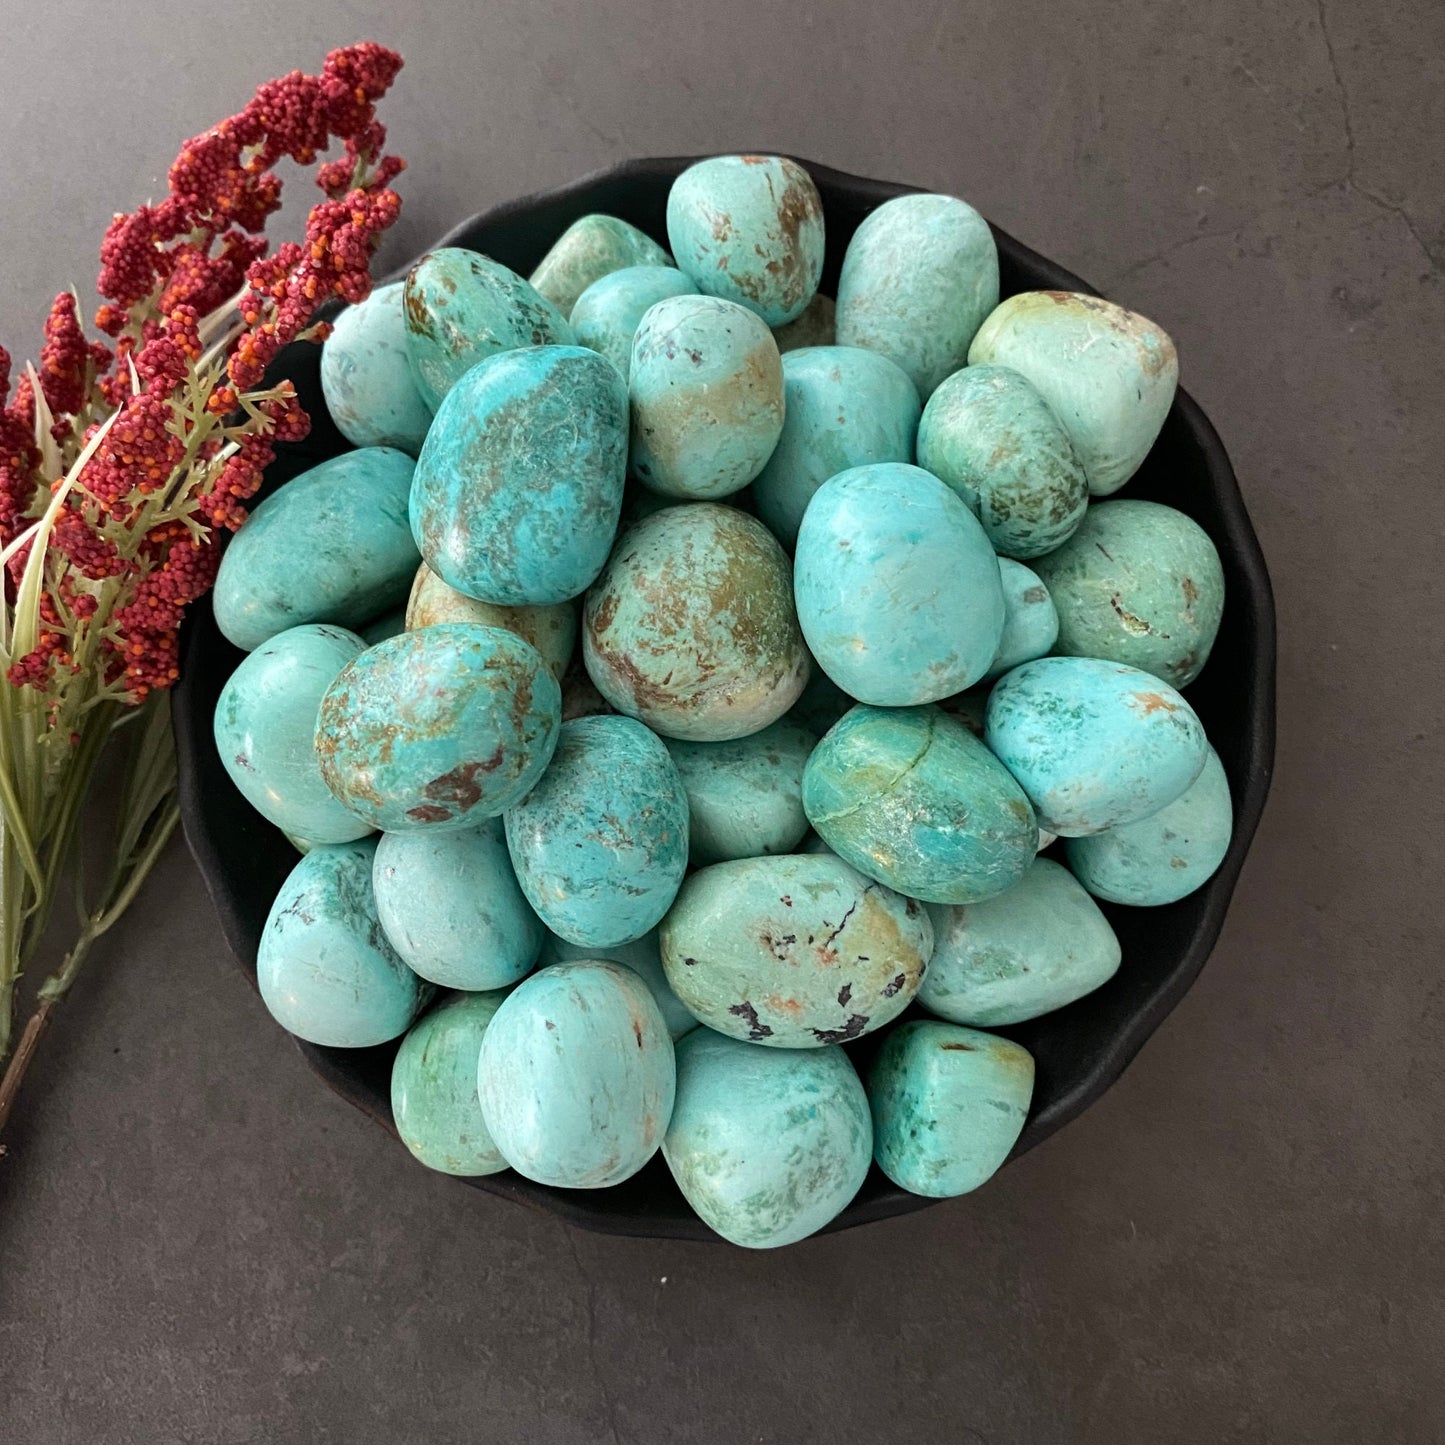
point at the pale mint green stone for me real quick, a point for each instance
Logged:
(815, 327)
(1163, 857)
(576, 1076)
(265, 730)
(609, 311)
(919, 276)
(389, 624)
(452, 908)
(989, 434)
(1022, 953)
(643, 957)
(767, 1145)
(324, 967)
(333, 545)
(1107, 373)
(366, 378)
(1094, 744)
(589, 249)
(434, 1100)
(844, 407)
(949, 1103)
(1030, 623)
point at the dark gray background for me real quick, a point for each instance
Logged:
(1243, 1240)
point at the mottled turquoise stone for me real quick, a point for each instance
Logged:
(366, 378)
(910, 797)
(589, 249)
(644, 958)
(749, 229)
(609, 311)
(919, 276)
(706, 387)
(600, 844)
(1094, 744)
(815, 327)
(576, 1076)
(1022, 953)
(844, 407)
(897, 587)
(333, 545)
(451, 907)
(793, 952)
(949, 1103)
(767, 1145)
(1165, 856)
(989, 434)
(324, 967)
(1030, 622)
(1109, 374)
(1138, 583)
(462, 307)
(519, 486)
(692, 630)
(434, 1102)
(265, 729)
(438, 729)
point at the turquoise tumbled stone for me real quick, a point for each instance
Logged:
(1138, 583)
(434, 1102)
(844, 407)
(324, 967)
(576, 1076)
(1094, 744)
(333, 545)
(1030, 621)
(600, 844)
(462, 307)
(366, 378)
(609, 311)
(949, 1103)
(897, 587)
(919, 276)
(643, 956)
(590, 248)
(749, 229)
(815, 327)
(989, 434)
(265, 729)
(795, 951)
(438, 729)
(451, 907)
(519, 486)
(1108, 374)
(910, 797)
(1165, 856)
(1022, 953)
(767, 1145)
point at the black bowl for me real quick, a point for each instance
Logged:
(1081, 1049)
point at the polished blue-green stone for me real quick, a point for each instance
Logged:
(897, 587)
(519, 486)
(600, 844)
(919, 276)
(1165, 856)
(366, 378)
(644, 958)
(989, 434)
(609, 311)
(333, 545)
(1025, 952)
(1030, 622)
(1107, 373)
(462, 307)
(844, 407)
(767, 1145)
(576, 1076)
(749, 229)
(591, 248)
(1094, 744)
(434, 1102)
(438, 729)
(815, 327)
(949, 1103)
(324, 967)
(910, 797)
(451, 907)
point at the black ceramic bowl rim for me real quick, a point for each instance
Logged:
(1080, 1050)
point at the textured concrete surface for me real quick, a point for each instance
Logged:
(1243, 1241)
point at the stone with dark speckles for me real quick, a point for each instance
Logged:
(1030, 622)
(644, 957)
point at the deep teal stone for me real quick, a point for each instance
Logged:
(1030, 622)
(767, 1145)
(333, 545)
(897, 587)
(600, 844)
(815, 327)
(589, 249)
(609, 311)
(644, 958)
